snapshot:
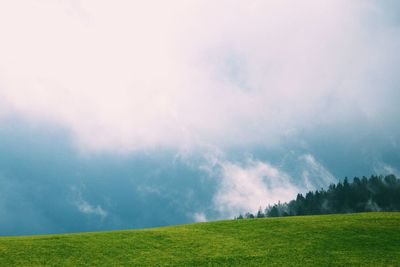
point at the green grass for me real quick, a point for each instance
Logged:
(367, 239)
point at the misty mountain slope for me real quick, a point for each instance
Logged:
(367, 239)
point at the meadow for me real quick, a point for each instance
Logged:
(367, 239)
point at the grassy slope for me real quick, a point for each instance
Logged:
(358, 239)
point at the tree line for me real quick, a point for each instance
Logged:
(377, 193)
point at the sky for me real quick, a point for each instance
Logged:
(136, 114)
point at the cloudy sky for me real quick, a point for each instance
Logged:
(131, 114)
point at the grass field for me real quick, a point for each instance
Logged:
(367, 239)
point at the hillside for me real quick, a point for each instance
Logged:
(356, 239)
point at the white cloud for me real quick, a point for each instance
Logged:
(131, 75)
(85, 207)
(245, 188)
(199, 217)
(314, 174)
(250, 184)
(382, 168)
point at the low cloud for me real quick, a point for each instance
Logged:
(381, 168)
(246, 187)
(199, 217)
(85, 207)
(314, 175)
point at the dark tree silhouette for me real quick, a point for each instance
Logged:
(377, 193)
